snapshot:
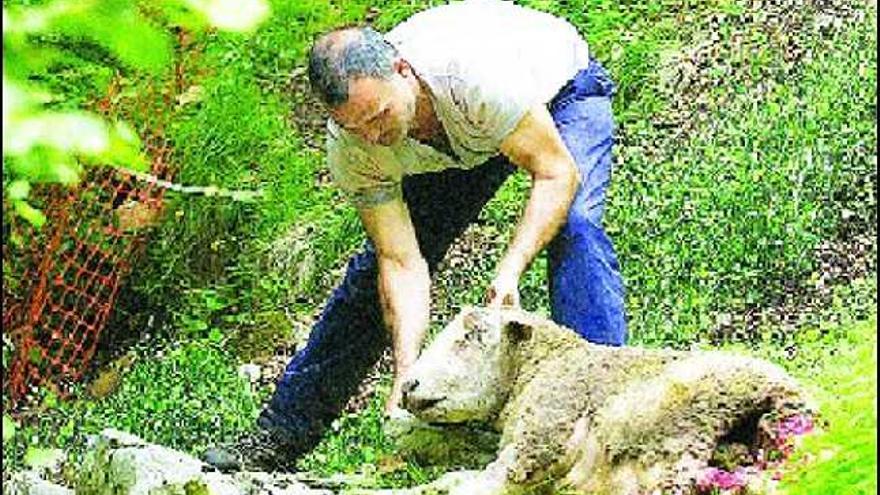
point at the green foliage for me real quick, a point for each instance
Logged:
(257, 339)
(187, 397)
(728, 219)
(9, 428)
(43, 144)
(201, 398)
(356, 444)
(357, 440)
(843, 458)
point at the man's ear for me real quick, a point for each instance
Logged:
(402, 67)
(517, 332)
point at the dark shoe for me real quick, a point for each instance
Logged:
(260, 450)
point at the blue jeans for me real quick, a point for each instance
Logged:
(586, 290)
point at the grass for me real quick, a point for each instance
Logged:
(357, 445)
(718, 212)
(843, 457)
(185, 396)
(835, 355)
(731, 209)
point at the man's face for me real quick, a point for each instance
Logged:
(379, 111)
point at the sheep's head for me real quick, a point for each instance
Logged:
(467, 372)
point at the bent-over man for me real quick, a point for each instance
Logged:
(426, 123)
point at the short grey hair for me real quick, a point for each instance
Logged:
(341, 55)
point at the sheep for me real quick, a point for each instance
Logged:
(574, 417)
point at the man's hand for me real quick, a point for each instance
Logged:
(504, 291)
(404, 285)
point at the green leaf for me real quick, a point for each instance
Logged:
(22, 60)
(73, 132)
(37, 458)
(124, 150)
(9, 427)
(232, 15)
(18, 189)
(177, 13)
(29, 213)
(50, 401)
(117, 26)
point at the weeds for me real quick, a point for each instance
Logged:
(723, 190)
(843, 458)
(184, 396)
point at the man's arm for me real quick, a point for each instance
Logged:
(404, 284)
(536, 146)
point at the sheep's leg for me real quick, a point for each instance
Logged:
(494, 480)
(491, 481)
(454, 483)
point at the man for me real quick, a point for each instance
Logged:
(426, 124)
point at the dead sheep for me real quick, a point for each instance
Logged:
(574, 417)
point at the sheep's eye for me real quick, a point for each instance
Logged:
(473, 336)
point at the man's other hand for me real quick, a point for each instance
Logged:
(503, 292)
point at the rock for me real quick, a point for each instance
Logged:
(123, 463)
(119, 463)
(275, 484)
(110, 377)
(250, 372)
(30, 483)
(221, 459)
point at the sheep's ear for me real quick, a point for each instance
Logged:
(517, 332)
(471, 318)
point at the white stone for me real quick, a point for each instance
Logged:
(249, 371)
(123, 463)
(274, 484)
(30, 483)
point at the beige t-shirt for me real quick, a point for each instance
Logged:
(486, 63)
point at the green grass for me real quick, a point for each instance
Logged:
(719, 219)
(834, 354)
(843, 457)
(187, 396)
(356, 445)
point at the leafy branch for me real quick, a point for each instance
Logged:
(44, 144)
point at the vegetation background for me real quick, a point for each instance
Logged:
(743, 209)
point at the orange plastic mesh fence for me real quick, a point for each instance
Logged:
(61, 281)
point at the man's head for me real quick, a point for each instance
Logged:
(368, 88)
